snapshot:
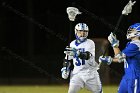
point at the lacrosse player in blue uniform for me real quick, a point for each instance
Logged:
(130, 82)
(82, 53)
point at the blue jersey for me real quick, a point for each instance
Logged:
(132, 64)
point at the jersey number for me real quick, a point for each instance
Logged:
(125, 64)
(80, 61)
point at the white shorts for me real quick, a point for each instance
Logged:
(90, 81)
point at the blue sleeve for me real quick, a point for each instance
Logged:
(131, 50)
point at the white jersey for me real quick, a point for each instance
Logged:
(82, 65)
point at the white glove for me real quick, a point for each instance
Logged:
(128, 8)
(65, 73)
(106, 59)
(72, 51)
(113, 40)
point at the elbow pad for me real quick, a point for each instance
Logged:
(85, 55)
(121, 57)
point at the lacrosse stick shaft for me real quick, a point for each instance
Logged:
(127, 9)
(114, 32)
(69, 40)
(70, 32)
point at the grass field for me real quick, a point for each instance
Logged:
(48, 89)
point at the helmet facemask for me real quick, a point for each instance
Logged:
(133, 31)
(81, 32)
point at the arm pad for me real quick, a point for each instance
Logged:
(85, 55)
(121, 57)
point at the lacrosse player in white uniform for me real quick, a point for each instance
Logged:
(82, 54)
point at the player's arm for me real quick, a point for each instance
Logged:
(116, 50)
(108, 59)
(88, 53)
(118, 55)
(65, 71)
(72, 52)
(85, 55)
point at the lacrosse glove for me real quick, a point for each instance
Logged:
(105, 59)
(72, 52)
(65, 73)
(113, 40)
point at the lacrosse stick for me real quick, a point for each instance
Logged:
(72, 12)
(127, 9)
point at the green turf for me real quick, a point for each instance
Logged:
(48, 89)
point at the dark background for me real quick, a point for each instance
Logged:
(34, 34)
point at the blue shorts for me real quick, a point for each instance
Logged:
(129, 85)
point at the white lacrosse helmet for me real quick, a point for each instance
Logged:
(133, 31)
(81, 27)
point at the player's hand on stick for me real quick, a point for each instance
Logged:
(128, 8)
(65, 73)
(72, 52)
(113, 40)
(105, 59)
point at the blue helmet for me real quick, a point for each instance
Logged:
(133, 31)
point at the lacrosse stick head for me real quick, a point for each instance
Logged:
(72, 12)
(128, 8)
